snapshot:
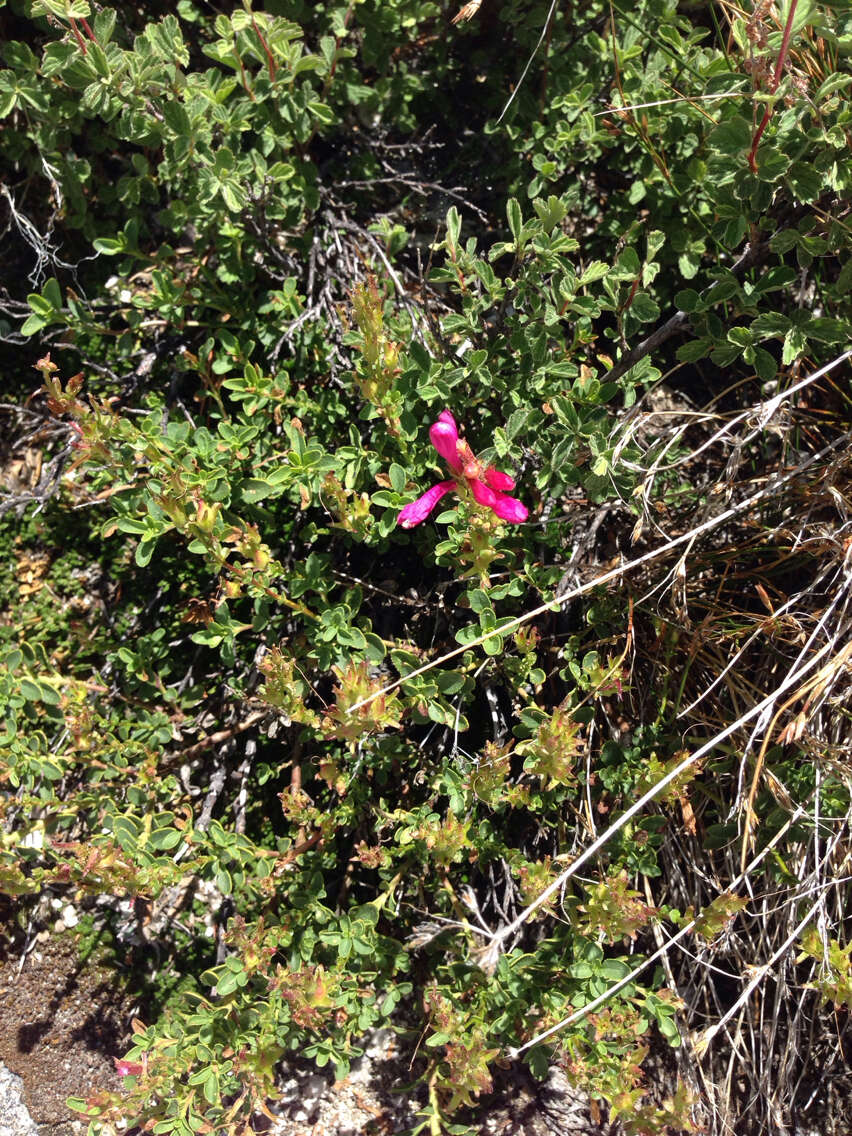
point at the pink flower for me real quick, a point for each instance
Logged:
(128, 1068)
(486, 484)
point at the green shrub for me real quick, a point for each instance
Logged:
(346, 741)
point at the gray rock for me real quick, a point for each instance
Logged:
(14, 1118)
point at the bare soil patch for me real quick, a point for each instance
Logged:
(62, 1020)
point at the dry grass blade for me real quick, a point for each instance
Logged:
(467, 12)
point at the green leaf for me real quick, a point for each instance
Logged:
(493, 645)
(281, 171)
(144, 551)
(775, 278)
(794, 345)
(833, 83)
(40, 305)
(628, 264)
(321, 111)
(53, 293)
(8, 99)
(453, 227)
(724, 356)
(806, 181)
(514, 217)
(614, 969)
(105, 25)
(656, 240)
(825, 330)
(688, 300)
(550, 213)
(644, 308)
(164, 839)
(689, 264)
(596, 270)
(126, 830)
(731, 137)
(449, 682)
(254, 489)
(764, 364)
(398, 477)
(721, 290)
(770, 323)
(176, 118)
(771, 163)
(668, 1028)
(49, 696)
(109, 246)
(233, 195)
(30, 690)
(32, 325)
(479, 600)
(742, 336)
(97, 58)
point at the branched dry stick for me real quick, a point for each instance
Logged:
(42, 244)
(216, 739)
(421, 188)
(48, 486)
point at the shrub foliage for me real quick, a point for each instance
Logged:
(478, 780)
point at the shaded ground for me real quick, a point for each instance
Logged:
(61, 1023)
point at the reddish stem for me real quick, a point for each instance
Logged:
(629, 299)
(270, 62)
(81, 43)
(248, 89)
(773, 85)
(87, 29)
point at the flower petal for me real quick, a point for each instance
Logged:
(482, 494)
(420, 509)
(498, 480)
(510, 509)
(128, 1068)
(445, 438)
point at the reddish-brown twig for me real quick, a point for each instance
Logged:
(81, 43)
(270, 62)
(773, 85)
(88, 29)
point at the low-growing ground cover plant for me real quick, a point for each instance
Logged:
(546, 766)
